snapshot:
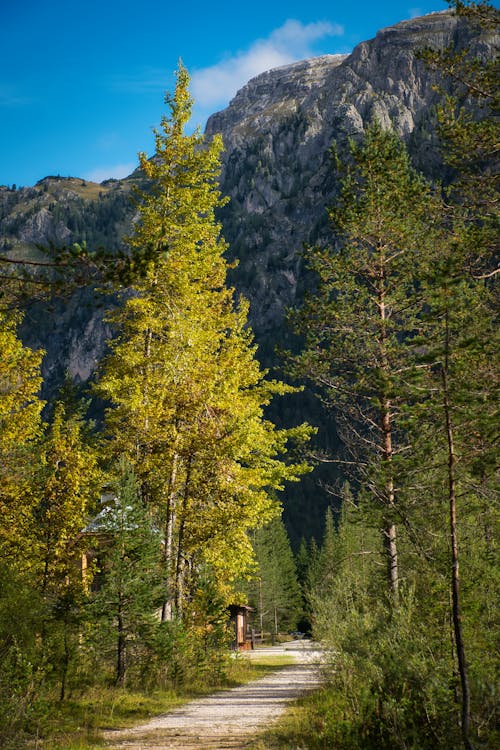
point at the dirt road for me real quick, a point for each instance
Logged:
(228, 719)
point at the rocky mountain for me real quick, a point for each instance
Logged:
(276, 169)
(277, 132)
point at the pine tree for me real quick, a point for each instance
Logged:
(459, 358)
(303, 564)
(275, 592)
(364, 308)
(329, 560)
(460, 340)
(123, 608)
(342, 589)
(419, 392)
(468, 124)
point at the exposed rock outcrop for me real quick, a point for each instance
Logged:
(277, 132)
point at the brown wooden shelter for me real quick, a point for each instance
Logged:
(239, 616)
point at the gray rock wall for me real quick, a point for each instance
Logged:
(276, 170)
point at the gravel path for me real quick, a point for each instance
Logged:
(228, 719)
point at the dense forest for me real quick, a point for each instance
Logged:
(125, 541)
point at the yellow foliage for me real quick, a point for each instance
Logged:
(20, 426)
(187, 392)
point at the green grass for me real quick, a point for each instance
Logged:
(77, 723)
(309, 724)
(83, 188)
(268, 661)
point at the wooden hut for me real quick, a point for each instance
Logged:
(239, 616)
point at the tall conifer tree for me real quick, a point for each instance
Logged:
(124, 605)
(356, 323)
(275, 591)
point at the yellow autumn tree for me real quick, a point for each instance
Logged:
(20, 424)
(66, 485)
(187, 393)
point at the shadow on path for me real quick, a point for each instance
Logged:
(228, 719)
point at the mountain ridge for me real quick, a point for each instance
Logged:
(277, 132)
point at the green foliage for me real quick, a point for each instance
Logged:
(20, 428)
(122, 610)
(187, 392)
(401, 340)
(199, 464)
(468, 117)
(274, 592)
(65, 487)
(22, 660)
(357, 323)
(401, 344)
(390, 683)
(344, 572)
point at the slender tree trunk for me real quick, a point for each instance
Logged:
(261, 612)
(148, 337)
(65, 662)
(179, 567)
(455, 571)
(48, 547)
(389, 530)
(167, 609)
(120, 648)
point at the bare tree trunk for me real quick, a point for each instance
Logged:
(455, 571)
(120, 649)
(148, 337)
(179, 567)
(65, 662)
(261, 612)
(389, 530)
(167, 609)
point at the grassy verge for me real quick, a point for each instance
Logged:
(310, 723)
(77, 723)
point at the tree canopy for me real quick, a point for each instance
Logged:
(187, 392)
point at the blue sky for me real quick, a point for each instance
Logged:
(82, 83)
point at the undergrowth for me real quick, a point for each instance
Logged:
(77, 723)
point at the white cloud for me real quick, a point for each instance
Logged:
(214, 86)
(415, 13)
(106, 173)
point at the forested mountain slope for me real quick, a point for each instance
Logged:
(277, 133)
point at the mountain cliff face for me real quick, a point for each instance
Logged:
(277, 132)
(276, 170)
